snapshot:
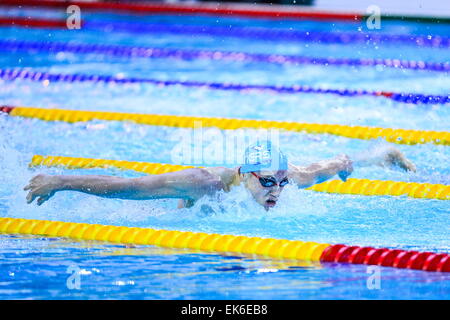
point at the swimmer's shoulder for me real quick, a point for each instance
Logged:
(222, 177)
(226, 175)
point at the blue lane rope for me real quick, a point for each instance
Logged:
(272, 34)
(25, 74)
(190, 54)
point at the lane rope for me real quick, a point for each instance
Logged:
(400, 136)
(215, 9)
(266, 11)
(265, 247)
(258, 33)
(32, 22)
(352, 186)
(215, 55)
(26, 74)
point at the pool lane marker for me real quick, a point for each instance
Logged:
(232, 244)
(211, 9)
(251, 10)
(400, 136)
(258, 33)
(47, 78)
(30, 22)
(352, 186)
(129, 52)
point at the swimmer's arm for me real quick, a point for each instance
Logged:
(342, 166)
(387, 156)
(321, 171)
(188, 184)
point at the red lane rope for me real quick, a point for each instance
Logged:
(404, 259)
(215, 9)
(6, 109)
(32, 22)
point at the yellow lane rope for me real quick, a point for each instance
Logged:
(274, 248)
(231, 244)
(401, 136)
(352, 186)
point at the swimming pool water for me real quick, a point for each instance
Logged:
(36, 268)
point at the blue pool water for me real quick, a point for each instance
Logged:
(36, 268)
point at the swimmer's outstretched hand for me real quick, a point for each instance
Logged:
(394, 157)
(385, 157)
(42, 187)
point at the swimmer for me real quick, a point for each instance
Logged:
(265, 173)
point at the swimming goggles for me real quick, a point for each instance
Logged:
(270, 182)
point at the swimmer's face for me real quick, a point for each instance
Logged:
(266, 196)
